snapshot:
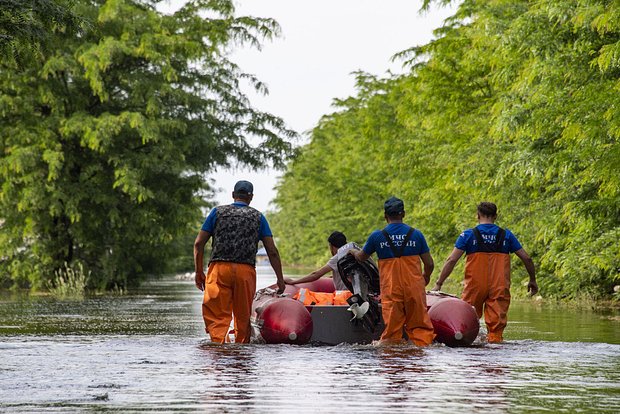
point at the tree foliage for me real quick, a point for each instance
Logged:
(108, 140)
(514, 102)
(27, 27)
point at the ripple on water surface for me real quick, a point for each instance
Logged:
(147, 352)
(186, 374)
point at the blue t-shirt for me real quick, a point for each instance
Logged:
(467, 240)
(209, 224)
(416, 245)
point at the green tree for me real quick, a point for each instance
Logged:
(27, 26)
(514, 102)
(326, 187)
(559, 102)
(107, 143)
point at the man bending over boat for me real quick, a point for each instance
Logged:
(401, 250)
(487, 269)
(338, 247)
(231, 282)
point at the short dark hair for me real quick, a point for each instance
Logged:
(337, 239)
(487, 209)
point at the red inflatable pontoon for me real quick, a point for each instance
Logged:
(454, 320)
(283, 320)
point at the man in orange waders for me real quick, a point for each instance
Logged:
(487, 269)
(401, 250)
(230, 284)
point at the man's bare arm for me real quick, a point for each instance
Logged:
(532, 286)
(429, 266)
(199, 250)
(311, 277)
(448, 267)
(274, 259)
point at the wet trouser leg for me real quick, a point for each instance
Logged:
(487, 289)
(496, 309)
(229, 288)
(393, 313)
(418, 325)
(475, 293)
(244, 290)
(403, 301)
(216, 304)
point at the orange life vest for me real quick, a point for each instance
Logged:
(309, 297)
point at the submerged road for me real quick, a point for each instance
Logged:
(147, 351)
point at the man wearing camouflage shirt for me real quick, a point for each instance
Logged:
(230, 284)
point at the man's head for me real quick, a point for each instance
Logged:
(244, 190)
(336, 240)
(487, 210)
(394, 209)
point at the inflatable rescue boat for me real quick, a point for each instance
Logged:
(287, 319)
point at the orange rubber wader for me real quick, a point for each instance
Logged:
(229, 290)
(487, 282)
(403, 301)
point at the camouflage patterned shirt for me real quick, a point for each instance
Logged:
(236, 230)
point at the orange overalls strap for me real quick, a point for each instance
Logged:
(397, 253)
(487, 285)
(403, 298)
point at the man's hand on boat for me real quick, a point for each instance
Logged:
(281, 286)
(359, 255)
(289, 281)
(199, 279)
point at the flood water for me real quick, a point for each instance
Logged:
(147, 351)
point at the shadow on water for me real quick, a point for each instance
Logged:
(147, 351)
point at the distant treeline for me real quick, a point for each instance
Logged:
(515, 102)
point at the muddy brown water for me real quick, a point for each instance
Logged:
(147, 351)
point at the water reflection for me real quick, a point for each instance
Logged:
(403, 374)
(569, 377)
(551, 322)
(229, 372)
(147, 351)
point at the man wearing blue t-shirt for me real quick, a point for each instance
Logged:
(401, 251)
(230, 284)
(487, 269)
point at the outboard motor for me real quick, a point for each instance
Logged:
(362, 279)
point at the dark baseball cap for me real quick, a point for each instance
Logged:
(244, 187)
(394, 206)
